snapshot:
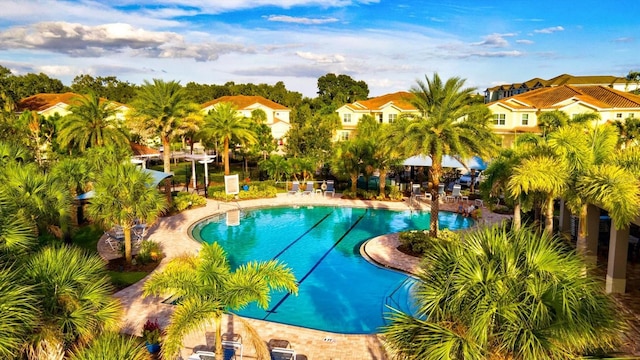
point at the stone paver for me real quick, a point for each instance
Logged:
(172, 234)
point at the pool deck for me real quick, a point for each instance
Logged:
(172, 234)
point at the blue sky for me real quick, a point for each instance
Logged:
(387, 43)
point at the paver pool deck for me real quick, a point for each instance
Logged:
(172, 233)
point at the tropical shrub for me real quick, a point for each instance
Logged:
(395, 193)
(501, 294)
(257, 190)
(112, 345)
(149, 251)
(151, 332)
(185, 200)
(419, 242)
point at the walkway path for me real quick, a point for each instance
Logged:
(172, 234)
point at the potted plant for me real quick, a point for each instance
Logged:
(151, 332)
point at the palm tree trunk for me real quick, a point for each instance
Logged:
(548, 216)
(127, 244)
(435, 171)
(354, 183)
(226, 156)
(383, 182)
(218, 339)
(581, 242)
(166, 154)
(517, 215)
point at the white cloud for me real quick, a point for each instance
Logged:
(323, 59)
(549, 30)
(300, 20)
(524, 42)
(495, 40)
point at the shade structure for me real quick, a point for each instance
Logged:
(157, 177)
(448, 161)
(475, 163)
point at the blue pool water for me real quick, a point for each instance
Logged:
(339, 290)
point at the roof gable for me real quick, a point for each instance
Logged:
(560, 96)
(401, 100)
(244, 102)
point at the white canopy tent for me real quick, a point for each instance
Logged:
(422, 160)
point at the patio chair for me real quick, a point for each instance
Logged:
(139, 232)
(456, 192)
(295, 188)
(441, 193)
(112, 242)
(281, 350)
(416, 192)
(330, 188)
(309, 189)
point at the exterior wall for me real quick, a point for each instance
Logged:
(279, 127)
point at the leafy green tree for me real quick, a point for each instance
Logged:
(111, 345)
(301, 168)
(92, 122)
(338, 90)
(162, 109)
(349, 159)
(448, 123)
(125, 195)
(18, 313)
(276, 166)
(108, 87)
(207, 288)
(225, 124)
(74, 295)
(503, 294)
(37, 134)
(628, 130)
(311, 133)
(265, 143)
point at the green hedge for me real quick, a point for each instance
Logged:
(257, 190)
(419, 242)
(184, 200)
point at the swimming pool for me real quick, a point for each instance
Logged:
(339, 290)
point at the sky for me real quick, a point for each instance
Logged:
(389, 44)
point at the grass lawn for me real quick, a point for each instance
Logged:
(87, 237)
(126, 278)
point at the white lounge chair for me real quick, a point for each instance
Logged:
(455, 193)
(416, 192)
(330, 188)
(112, 242)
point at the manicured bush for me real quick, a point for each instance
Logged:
(149, 251)
(257, 190)
(419, 242)
(185, 200)
(395, 193)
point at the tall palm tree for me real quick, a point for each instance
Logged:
(74, 295)
(449, 122)
(93, 122)
(349, 158)
(207, 288)
(384, 153)
(163, 109)
(224, 123)
(503, 294)
(124, 195)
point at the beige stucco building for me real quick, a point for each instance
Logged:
(519, 114)
(386, 109)
(277, 115)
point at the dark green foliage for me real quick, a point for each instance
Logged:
(419, 242)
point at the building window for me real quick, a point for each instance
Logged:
(631, 115)
(525, 119)
(346, 118)
(344, 135)
(393, 118)
(380, 118)
(499, 119)
(619, 116)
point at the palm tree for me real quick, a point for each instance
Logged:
(348, 159)
(124, 195)
(448, 123)
(92, 122)
(74, 295)
(384, 153)
(162, 109)
(276, 166)
(207, 288)
(112, 345)
(629, 130)
(224, 123)
(18, 313)
(503, 294)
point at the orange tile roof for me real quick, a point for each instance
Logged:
(566, 79)
(242, 102)
(44, 101)
(551, 97)
(400, 99)
(143, 150)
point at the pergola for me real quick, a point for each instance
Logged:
(202, 159)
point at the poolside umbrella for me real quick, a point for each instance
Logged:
(448, 161)
(475, 163)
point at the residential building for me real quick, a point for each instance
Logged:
(51, 104)
(519, 113)
(277, 115)
(385, 109)
(504, 91)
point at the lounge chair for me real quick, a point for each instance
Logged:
(330, 188)
(229, 353)
(455, 193)
(309, 189)
(441, 192)
(416, 192)
(295, 187)
(139, 232)
(281, 350)
(111, 241)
